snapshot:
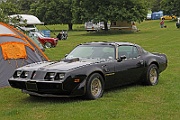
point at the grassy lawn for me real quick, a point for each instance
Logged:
(133, 102)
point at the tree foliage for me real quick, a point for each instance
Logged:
(154, 5)
(10, 7)
(171, 7)
(79, 11)
(53, 11)
(106, 10)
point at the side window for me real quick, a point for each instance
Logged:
(128, 51)
(124, 50)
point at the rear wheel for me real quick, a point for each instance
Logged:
(95, 87)
(152, 75)
(48, 45)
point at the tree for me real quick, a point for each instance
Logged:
(24, 5)
(171, 7)
(53, 11)
(7, 8)
(77, 11)
(114, 10)
(154, 5)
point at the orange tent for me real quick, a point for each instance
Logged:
(16, 50)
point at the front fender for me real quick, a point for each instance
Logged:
(80, 89)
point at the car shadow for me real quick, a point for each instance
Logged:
(105, 33)
(121, 87)
(35, 99)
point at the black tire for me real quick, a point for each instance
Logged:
(94, 87)
(47, 45)
(152, 75)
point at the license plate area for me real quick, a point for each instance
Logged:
(31, 86)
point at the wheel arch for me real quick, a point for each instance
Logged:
(152, 61)
(100, 72)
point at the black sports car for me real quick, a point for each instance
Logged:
(89, 69)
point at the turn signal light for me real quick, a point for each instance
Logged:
(76, 80)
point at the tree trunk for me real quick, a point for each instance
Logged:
(70, 25)
(105, 26)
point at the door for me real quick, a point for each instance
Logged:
(130, 69)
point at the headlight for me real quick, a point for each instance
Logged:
(54, 76)
(50, 75)
(24, 74)
(59, 76)
(17, 73)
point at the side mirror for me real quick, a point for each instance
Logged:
(66, 55)
(123, 57)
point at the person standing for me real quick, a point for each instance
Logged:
(162, 23)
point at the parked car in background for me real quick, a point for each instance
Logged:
(148, 17)
(168, 17)
(91, 26)
(47, 42)
(35, 39)
(101, 24)
(89, 69)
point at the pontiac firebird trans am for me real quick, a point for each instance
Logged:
(89, 69)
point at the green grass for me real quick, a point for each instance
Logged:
(134, 102)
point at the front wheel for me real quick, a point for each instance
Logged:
(152, 75)
(48, 45)
(94, 87)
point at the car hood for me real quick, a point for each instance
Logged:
(63, 65)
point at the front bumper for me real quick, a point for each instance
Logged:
(48, 88)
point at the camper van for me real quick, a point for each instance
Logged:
(26, 22)
(91, 26)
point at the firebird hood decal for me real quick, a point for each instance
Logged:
(62, 65)
(65, 65)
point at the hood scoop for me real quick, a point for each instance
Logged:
(71, 60)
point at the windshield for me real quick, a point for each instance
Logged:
(92, 52)
(41, 35)
(35, 39)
